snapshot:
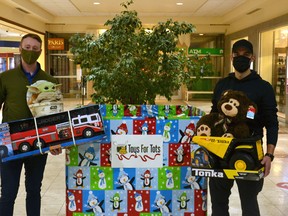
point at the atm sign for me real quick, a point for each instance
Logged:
(55, 43)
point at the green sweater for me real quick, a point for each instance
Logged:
(13, 89)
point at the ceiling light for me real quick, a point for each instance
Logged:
(179, 3)
(96, 3)
(253, 11)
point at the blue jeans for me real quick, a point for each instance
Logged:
(10, 178)
(220, 190)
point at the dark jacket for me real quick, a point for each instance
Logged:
(259, 91)
(13, 89)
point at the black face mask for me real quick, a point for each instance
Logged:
(241, 63)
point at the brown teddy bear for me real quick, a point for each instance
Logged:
(206, 125)
(234, 109)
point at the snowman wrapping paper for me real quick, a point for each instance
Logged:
(96, 187)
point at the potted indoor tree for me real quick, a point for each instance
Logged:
(131, 64)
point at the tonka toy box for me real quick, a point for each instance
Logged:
(142, 167)
(223, 157)
(38, 135)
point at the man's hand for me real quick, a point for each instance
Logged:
(266, 162)
(55, 150)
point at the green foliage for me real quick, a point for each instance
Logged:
(131, 65)
(198, 67)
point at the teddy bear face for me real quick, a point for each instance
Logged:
(234, 105)
(230, 108)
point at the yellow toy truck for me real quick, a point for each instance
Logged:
(229, 153)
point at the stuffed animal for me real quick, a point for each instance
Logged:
(234, 109)
(44, 97)
(43, 91)
(206, 125)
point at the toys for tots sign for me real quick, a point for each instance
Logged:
(55, 43)
(137, 151)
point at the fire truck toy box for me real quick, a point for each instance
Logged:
(38, 135)
(224, 157)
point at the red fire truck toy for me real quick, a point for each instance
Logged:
(53, 129)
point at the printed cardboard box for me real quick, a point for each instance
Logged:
(38, 135)
(142, 166)
(223, 157)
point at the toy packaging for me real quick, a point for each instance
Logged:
(142, 166)
(226, 157)
(37, 135)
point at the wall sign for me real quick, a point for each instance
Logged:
(55, 43)
(206, 51)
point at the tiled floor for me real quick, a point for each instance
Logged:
(273, 199)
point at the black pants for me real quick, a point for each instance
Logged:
(220, 190)
(10, 178)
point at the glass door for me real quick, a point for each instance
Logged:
(280, 78)
(274, 58)
(63, 68)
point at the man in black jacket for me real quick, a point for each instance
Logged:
(261, 92)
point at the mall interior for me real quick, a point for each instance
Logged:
(219, 23)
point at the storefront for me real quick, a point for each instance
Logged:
(274, 48)
(61, 65)
(56, 60)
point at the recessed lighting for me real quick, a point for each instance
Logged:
(96, 3)
(179, 3)
(201, 34)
